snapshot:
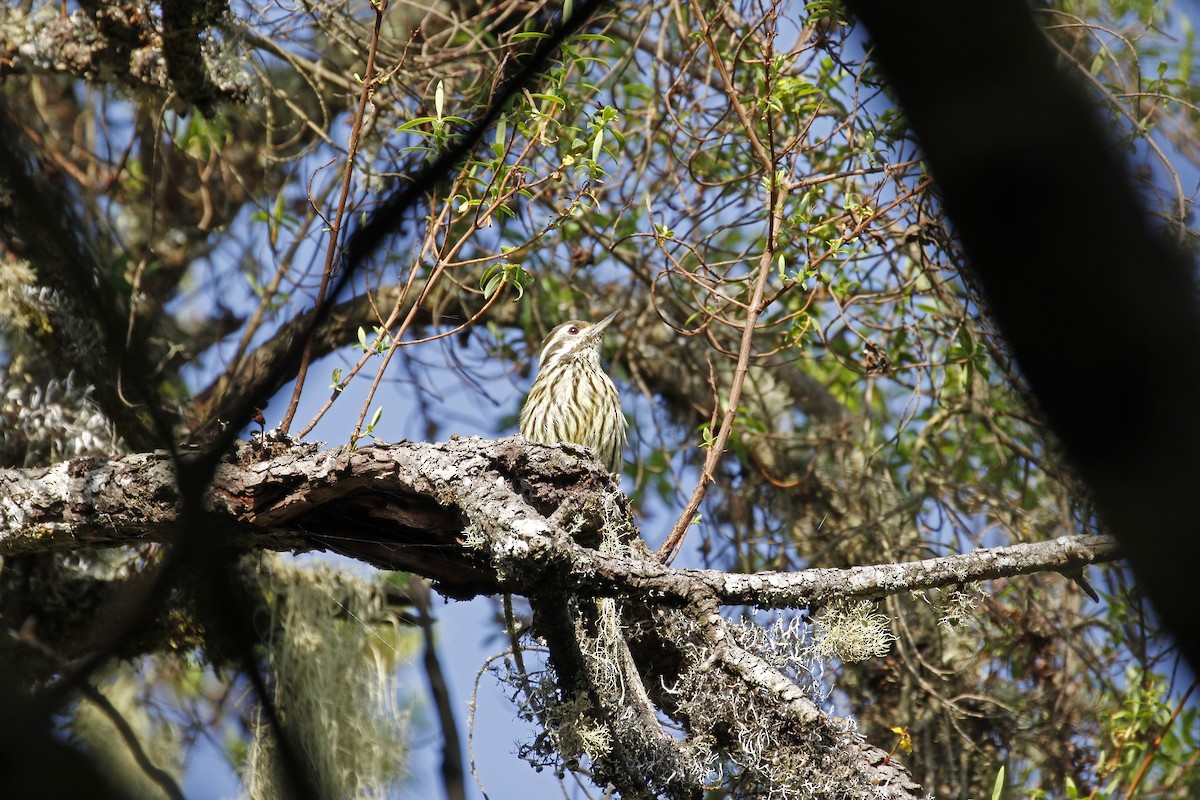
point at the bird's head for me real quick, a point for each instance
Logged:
(572, 340)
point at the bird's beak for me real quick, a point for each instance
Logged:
(598, 329)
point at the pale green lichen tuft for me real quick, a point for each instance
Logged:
(334, 684)
(853, 632)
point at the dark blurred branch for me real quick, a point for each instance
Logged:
(453, 774)
(161, 777)
(184, 22)
(1099, 308)
(155, 773)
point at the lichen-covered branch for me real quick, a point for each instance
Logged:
(428, 508)
(121, 43)
(629, 639)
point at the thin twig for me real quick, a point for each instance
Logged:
(160, 776)
(775, 196)
(1153, 749)
(453, 774)
(335, 225)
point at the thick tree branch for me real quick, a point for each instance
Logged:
(485, 516)
(435, 509)
(184, 23)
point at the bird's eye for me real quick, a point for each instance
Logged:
(572, 330)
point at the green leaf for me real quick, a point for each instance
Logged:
(374, 421)
(500, 143)
(412, 124)
(806, 204)
(998, 786)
